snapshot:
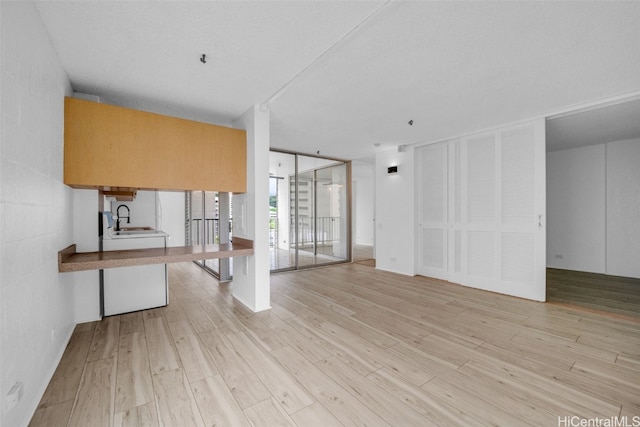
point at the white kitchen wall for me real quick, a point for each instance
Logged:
(172, 216)
(593, 199)
(623, 208)
(142, 210)
(394, 243)
(363, 202)
(576, 209)
(37, 303)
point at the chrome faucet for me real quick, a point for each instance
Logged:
(120, 217)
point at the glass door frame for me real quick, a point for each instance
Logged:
(295, 232)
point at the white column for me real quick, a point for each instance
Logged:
(223, 224)
(251, 281)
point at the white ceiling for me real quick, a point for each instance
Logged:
(617, 122)
(339, 77)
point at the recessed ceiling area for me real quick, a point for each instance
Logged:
(340, 77)
(617, 122)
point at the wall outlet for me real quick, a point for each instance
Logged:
(53, 334)
(559, 256)
(393, 259)
(14, 395)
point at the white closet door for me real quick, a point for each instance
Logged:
(432, 210)
(503, 206)
(481, 205)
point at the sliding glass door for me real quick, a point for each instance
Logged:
(309, 215)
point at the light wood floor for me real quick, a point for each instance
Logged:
(596, 292)
(363, 254)
(345, 345)
(282, 259)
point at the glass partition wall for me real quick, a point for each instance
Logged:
(309, 214)
(309, 220)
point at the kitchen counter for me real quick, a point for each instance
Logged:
(69, 260)
(129, 233)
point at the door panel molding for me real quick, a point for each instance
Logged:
(493, 232)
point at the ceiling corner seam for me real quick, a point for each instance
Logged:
(330, 49)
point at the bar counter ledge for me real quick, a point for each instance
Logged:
(69, 260)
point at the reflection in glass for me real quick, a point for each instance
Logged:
(309, 209)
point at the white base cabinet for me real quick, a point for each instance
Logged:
(128, 289)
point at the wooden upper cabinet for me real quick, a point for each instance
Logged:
(108, 146)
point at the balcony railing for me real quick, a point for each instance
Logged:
(211, 229)
(321, 230)
(273, 231)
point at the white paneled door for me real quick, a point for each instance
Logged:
(432, 210)
(481, 206)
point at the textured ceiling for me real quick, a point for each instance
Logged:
(340, 77)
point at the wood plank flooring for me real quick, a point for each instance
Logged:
(347, 345)
(596, 292)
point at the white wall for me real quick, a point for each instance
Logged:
(363, 202)
(142, 210)
(593, 199)
(283, 165)
(172, 216)
(85, 236)
(394, 242)
(37, 305)
(284, 213)
(163, 210)
(623, 208)
(576, 209)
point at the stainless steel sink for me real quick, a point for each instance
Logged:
(130, 232)
(136, 229)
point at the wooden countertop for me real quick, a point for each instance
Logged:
(70, 260)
